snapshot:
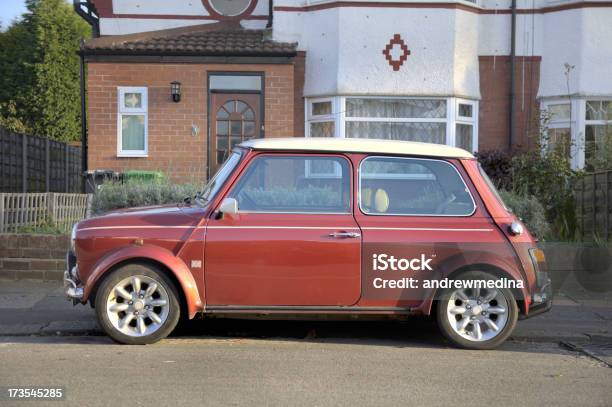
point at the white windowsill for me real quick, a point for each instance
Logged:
(132, 155)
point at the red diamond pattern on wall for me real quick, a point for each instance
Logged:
(396, 63)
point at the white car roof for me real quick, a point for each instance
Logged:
(354, 145)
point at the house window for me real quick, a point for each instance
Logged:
(558, 134)
(230, 7)
(598, 135)
(583, 127)
(430, 120)
(465, 124)
(132, 122)
(397, 119)
(322, 118)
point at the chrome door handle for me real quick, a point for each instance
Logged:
(343, 235)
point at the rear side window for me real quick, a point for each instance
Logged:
(492, 187)
(295, 184)
(412, 186)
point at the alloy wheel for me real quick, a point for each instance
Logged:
(137, 306)
(477, 314)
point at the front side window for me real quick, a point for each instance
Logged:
(132, 122)
(217, 181)
(412, 186)
(284, 184)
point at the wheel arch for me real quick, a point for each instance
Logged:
(163, 259)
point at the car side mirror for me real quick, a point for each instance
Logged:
(229, 206)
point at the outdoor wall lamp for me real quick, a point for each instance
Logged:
(175, 90)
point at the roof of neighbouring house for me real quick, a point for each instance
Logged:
(355, 145)
(218, 39)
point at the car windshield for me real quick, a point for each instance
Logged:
(217, 181)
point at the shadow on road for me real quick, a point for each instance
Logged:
(417, 332)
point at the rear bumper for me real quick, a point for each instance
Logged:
(541, 300)
(538, 309)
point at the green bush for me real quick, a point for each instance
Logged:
(548, 177)
(117, 195)
(530, 211)
(498, 166)
(279, 197)
(138, 175)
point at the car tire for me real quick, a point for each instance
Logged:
(137, 304)
(459, 311)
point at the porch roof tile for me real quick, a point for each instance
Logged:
(206, 40)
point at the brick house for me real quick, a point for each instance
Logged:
(172, 86)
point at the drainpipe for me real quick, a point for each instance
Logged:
(83, 119)
(512, 76)
(87, 11)
(270, 15)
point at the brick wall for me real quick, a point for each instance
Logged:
(28, 256)
(495, 105)
(172, 148)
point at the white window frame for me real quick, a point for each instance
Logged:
(125, 111)
(562, 123)
(454, 119)
(593, 122)
(332, 117)
(577, 124)
(338, 115)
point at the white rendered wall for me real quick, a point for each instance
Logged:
(582, 38)
(344, 50)
(173, 7)
(120, 26)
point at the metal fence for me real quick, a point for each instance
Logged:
(36, 164)
(593, 204)
(59, 210)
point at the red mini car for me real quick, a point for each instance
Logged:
(312, 227)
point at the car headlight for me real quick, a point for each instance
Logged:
(73, 237)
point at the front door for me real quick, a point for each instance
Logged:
(294, 241)
(235, 117)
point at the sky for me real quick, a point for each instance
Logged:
(12, 9)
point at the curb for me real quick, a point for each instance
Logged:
(57, 328)
(582, 338)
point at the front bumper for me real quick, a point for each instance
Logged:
(72, 286)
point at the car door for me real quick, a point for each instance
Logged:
(422, 213)
(294, 240)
